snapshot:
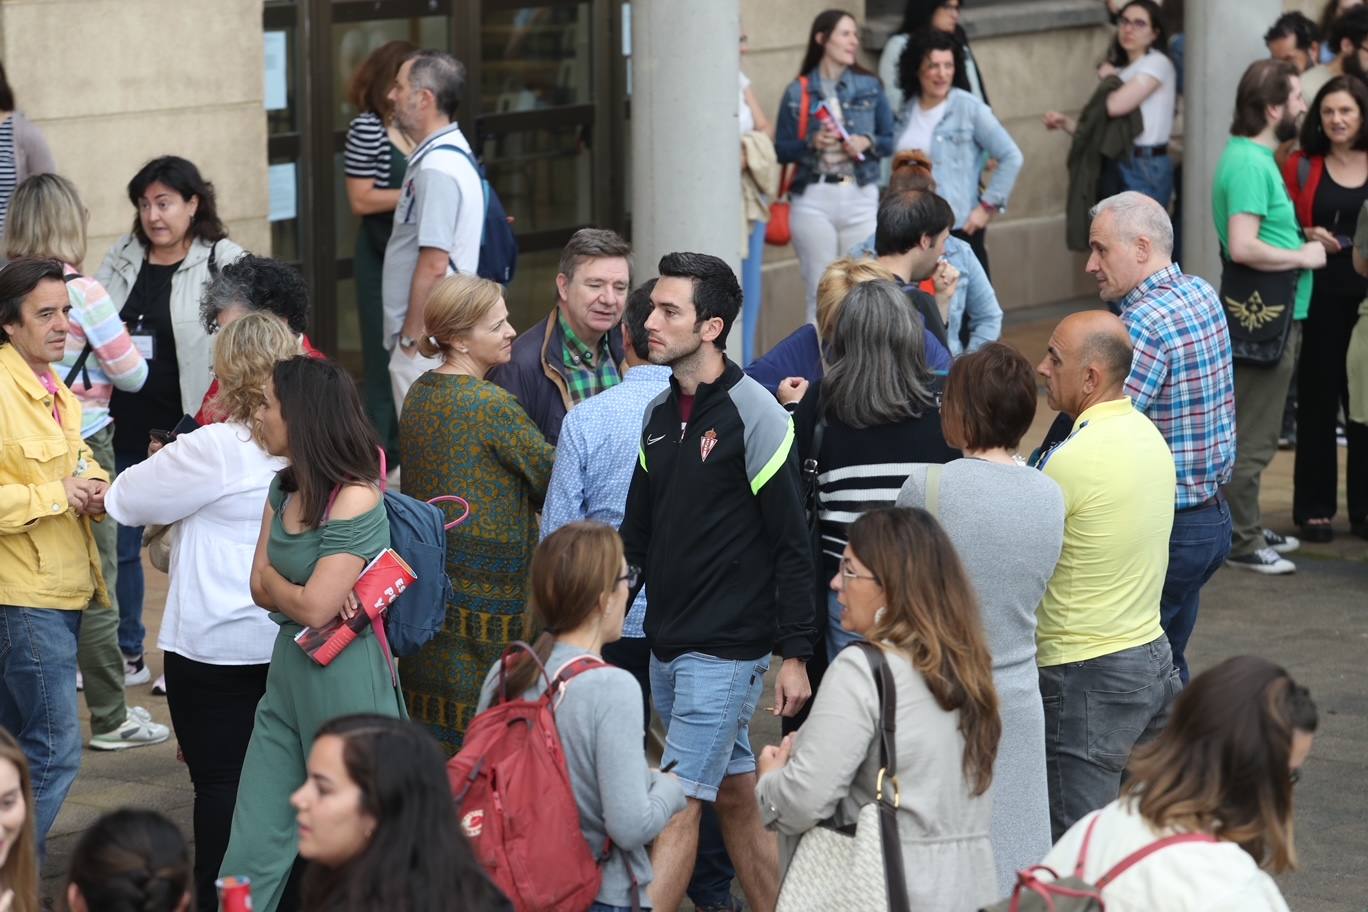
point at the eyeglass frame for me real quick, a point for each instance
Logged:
(631, 577)
(849, 574)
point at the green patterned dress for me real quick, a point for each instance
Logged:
(465, 436)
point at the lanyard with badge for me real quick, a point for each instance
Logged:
(144, 339)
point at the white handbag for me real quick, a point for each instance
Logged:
(840, 870)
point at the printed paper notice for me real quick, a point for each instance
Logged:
(284, 192)
(277, 59)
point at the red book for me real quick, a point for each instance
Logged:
(384, 580)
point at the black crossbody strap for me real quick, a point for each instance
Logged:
(887, 792)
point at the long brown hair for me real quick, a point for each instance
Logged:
(932, 614)
(330, 438)
(370, 84)
(572, 570)
(20, 872)
(1221, 766)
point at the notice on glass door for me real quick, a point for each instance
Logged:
(277, 59)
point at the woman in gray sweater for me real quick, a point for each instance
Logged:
(1007, 524)
(580, 582)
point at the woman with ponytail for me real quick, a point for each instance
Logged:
(901, 587)
(461, 433)
(131, 861)
(580, 586)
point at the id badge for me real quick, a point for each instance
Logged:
(146, 344)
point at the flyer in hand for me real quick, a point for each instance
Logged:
(384, 580)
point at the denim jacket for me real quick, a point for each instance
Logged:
(865, 110)
(968, 135)
(974, 297)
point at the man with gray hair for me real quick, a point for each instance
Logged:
(439, 219)
(1181, 378)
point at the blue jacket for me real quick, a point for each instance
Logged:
(968, 135)
(974, 296)
(865, 110)
(799, 354)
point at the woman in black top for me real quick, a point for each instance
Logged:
(878, 406)
(1328, 179)
(155, 276)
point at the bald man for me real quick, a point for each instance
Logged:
(1181, 377)
(1106, 673)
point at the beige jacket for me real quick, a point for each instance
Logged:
(759, 182)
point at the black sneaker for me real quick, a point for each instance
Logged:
(1265, 560)
(1283, 544)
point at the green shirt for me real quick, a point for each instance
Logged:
(1247, 182)
(587, 371)
(295, 555)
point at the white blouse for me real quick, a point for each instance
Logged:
(212, 482)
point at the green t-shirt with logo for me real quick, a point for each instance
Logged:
(1247, 182)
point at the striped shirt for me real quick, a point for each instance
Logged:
(366, 153)
(9, 169)
(113, 362)
(1181, 377)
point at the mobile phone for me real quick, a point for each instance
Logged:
(669, 766)
(161, 436)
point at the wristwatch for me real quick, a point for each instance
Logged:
(406, 343)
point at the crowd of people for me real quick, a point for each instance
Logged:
(683, 528)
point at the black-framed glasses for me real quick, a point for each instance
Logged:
(631, 577)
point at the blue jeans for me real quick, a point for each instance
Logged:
(838, 637)
(128, 589)
(707, 704)
(1096, 711)
(1150, 176)
(752, 290)
(1198, 546)
(38, 702)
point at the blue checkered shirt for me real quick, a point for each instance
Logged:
(1181, 377)
(595, 457)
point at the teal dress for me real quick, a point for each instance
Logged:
(368, 268)
(300, 697)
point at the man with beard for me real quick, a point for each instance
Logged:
(1258, 228)
(1346, 37)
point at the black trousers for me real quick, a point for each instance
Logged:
(1322, 387)
(212, 710)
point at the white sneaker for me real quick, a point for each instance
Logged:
(1283, 544)
(1265, 560)
(135, 671)
(80, 681)
(138, 730)
(159, 686)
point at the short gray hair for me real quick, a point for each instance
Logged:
(878, 372)
(441, 74)
(1135, 215)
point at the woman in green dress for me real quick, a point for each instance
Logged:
(324, 521)
(376, 158)
(461, 434)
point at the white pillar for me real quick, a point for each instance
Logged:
(1222, 38)
(686, 150)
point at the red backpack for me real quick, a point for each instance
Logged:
(515, 802)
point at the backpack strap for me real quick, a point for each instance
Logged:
(933, 480)
(1141, 854)
(506, 659)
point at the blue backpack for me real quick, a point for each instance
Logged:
(498, 244)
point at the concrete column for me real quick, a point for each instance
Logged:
(1222, 38)
(686, 152)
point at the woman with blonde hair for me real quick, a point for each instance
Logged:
(212, 483)
(901, 587)
(1225, 766)
(801, 355)
(459, 434)
(18, 841)
(48, 219)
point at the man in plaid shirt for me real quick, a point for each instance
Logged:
(1182, 379)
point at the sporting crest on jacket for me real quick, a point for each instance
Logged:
(1252, 313)
(706, 444)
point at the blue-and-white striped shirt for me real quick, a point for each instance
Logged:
(595, 455)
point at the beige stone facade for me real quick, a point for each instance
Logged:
(114, 83)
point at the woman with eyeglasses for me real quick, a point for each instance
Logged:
(580, 587)
(1138, 56)
(1225, 766)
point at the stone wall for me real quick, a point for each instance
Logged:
(113, 83)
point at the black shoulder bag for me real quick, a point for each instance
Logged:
(1259, 308)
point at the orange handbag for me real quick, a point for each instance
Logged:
(777, 232)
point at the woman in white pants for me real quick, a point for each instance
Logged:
(834, 125)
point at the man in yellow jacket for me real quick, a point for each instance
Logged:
(50, 489)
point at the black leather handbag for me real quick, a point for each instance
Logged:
(1259, 309)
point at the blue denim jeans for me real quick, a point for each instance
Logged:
(128, 590)
(1150, 176)
(1096, 711)
(752, 290)
(38, 702)
(838, 637)
(1198, 546)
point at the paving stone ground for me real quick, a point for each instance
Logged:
(1315, 623)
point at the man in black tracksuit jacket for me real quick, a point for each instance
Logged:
(714, 517)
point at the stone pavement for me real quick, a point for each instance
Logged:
(1315, 623)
